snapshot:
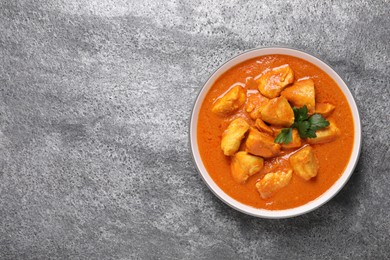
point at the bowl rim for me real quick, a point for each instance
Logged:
(291, 212)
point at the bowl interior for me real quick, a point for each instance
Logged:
(287, 212)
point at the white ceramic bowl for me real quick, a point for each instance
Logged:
(263, 213)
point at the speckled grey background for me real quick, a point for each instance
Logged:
(94, 109)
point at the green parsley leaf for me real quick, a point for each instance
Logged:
(306, 126)
(285, 136)
(303, 127)
(300, 114)
(318, 122)
(310, 133)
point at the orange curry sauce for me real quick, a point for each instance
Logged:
(333, 157)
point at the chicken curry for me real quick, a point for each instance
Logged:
(275, 132)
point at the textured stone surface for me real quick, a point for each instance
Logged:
(94, 109)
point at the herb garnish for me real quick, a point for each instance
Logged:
(306, 126)
(285, 136)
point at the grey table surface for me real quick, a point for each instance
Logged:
(94, 109)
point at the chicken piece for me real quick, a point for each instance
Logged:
(232, 136)
(273, 182)
(278, 112)
(305, 163)
(230, 102)
(324, 109)
(255, 104)
(301, 93)
(296, 139)
(261, 144)
(273, 81)
(263, 127)
(325, 135)
(245, 165)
